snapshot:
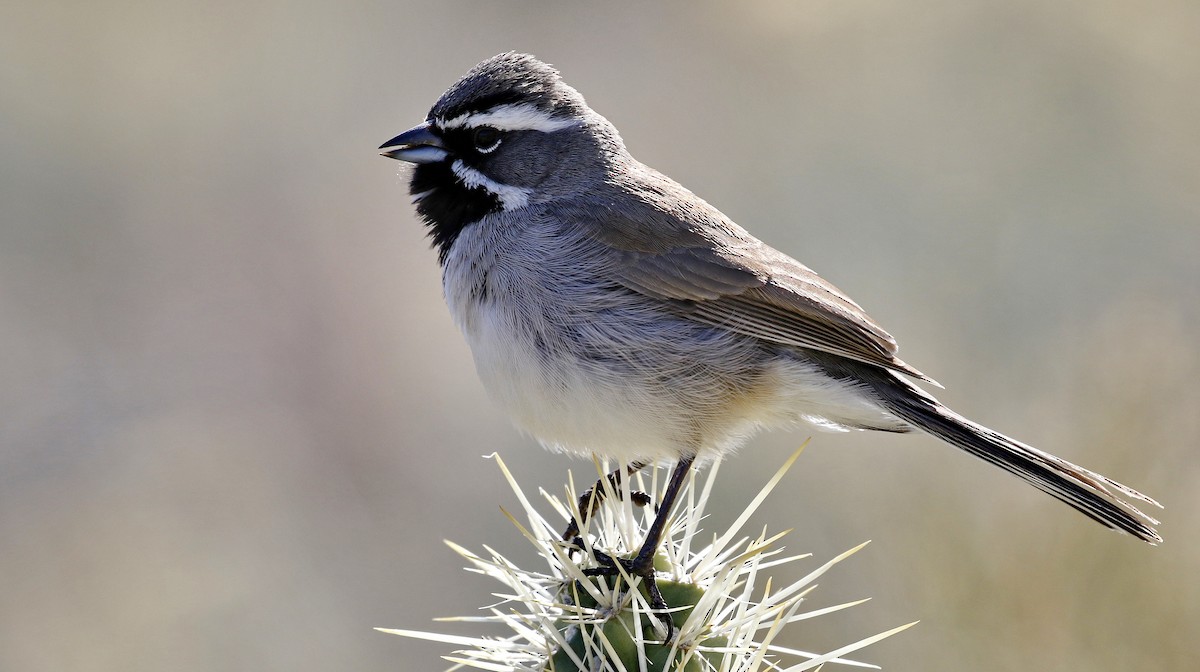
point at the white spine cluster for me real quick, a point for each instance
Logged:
(727, 613)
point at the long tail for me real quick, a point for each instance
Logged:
(1097, 497)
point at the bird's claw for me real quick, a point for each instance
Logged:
(641, 567)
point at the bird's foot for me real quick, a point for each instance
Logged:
(589, 502)
(641, 566)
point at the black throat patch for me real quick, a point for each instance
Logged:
(449, 206)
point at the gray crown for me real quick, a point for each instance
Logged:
(508, 79)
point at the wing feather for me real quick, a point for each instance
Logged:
(667, 243)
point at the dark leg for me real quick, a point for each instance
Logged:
(643, 563)
(645, 558)
(590, 501)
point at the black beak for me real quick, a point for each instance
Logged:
(416, 145)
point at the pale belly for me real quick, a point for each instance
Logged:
(656, 394)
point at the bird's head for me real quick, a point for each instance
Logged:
(508, 134)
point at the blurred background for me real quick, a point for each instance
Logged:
(236, 421)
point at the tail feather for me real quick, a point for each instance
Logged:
(1097, 497)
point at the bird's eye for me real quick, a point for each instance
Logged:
(486, 138)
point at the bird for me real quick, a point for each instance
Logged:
(612, 312)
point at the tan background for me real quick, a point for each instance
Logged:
(236, 421)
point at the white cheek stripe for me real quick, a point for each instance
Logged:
(510, 197)
(515, 117)
(417, 198)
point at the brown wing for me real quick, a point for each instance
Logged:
(717, 273)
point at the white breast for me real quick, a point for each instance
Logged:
(558, 377)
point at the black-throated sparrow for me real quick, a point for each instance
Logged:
(611, 311)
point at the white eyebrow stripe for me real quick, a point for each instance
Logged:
(510, 197)
(513, 117)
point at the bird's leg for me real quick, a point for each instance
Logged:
(643, 563)
(590, 500)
